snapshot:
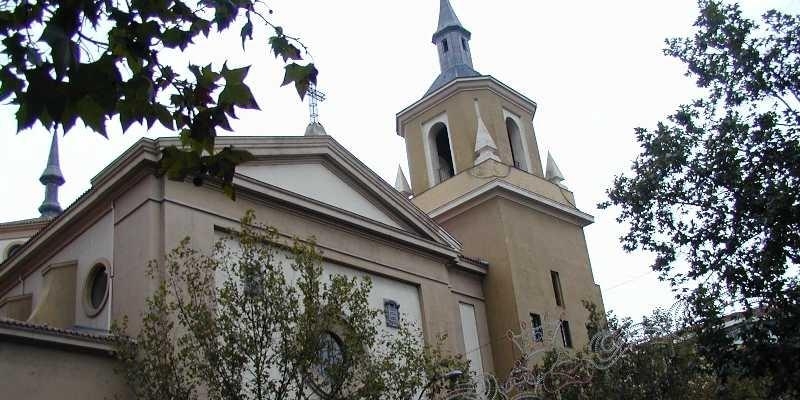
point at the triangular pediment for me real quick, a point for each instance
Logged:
(319, 181)
(321, 173)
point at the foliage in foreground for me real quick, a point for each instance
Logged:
(657, 358)
(260, 320)
(715, 192)
(96, 60)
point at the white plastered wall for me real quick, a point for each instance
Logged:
(317, 182)
(91, 246)
(405, 294)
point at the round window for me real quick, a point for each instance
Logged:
(13, 249)
(96, 290)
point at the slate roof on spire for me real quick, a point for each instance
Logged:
(447, 17)
(51, 179)
(458, 62)
(52, 172)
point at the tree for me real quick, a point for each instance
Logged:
(94, 60)
(656, 358)
(715, 192)
(258, 319)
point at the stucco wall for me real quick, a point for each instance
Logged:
(195, 211)
(34, 372)
(522, 246)
(91, 246)
(462, 126)
(318, 182)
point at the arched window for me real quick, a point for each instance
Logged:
(442, 161)
(515, 141)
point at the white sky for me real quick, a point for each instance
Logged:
(595, 69)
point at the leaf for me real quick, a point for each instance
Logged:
(9, 83)
(92, 115)
(302, 76)
(281, 47)
(177, 164)
(236, 75)
(247, 32)
(164, 116)
(238, 95)
(26, 115)
(176, 37)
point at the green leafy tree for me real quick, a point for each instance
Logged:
(715, 192)
(656, 358)
(258, 319)
(93, 60)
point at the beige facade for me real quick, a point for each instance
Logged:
(502, 209)
(485, 243)
(129, 216)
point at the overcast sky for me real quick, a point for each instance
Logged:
(595, 69)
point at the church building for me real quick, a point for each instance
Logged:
(481, 241)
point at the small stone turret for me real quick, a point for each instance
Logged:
(51, 179)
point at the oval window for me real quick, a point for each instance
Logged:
(99, 287)
(96, 290)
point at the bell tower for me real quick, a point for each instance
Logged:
(475, 168)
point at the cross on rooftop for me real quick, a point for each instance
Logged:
(314, 96)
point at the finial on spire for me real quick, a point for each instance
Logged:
(314, 127)
(51, 179)
(484, 144)
(401, 184)
(552, 172)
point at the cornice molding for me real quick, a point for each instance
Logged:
(497, 187)
(484, 82)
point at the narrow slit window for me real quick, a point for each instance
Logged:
(444, 45)
(557, 291)
(566, 336)
(463, 44)
(536, 325)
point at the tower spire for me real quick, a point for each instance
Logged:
(447, 17)
(51, 179)
(452, 43)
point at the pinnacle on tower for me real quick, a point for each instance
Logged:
(552, 172)
(452, 43)
(51, 179)
(401, 184)
(484, 144)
